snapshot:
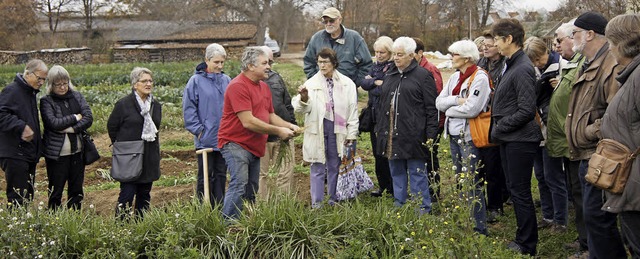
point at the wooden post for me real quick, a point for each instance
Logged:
(205, 172)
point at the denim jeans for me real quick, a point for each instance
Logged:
(244, 168)
(575, 187)
(217, 177)
(546, 202)
(517, 162)
(629, 225)
(128, 191)
(416, 169)
(466, 156)
(553, 180)
(603, 236)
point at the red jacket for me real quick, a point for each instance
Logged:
(438, 78)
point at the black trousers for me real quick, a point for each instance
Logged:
(433, 168)
(517, 163)
(66, 169)
(217, 178)
(497, 192)
(128, 191)
(20, 176)
(383, 173)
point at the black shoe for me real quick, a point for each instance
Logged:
(508, 201)
(545, 223)
(513, 246)
(377, 193)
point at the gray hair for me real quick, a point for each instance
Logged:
(214, 50)
(250, 56)
(267, 51)
(566, 28)
(466, 49)
(35, 65)
(136, 74)
(57, 73)
(406, 43)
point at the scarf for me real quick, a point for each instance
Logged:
(463, 76)
(149, 129)
(336, 106)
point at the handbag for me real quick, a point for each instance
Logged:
(365, 120)
(89, 150)
(479, 126)
(127, 160)
(352, 178)
(610, 166)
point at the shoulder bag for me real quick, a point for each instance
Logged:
(127, 160)
(365, 121)
(610, 166)
(479, 126)
(89, 149)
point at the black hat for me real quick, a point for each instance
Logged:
(593, 21)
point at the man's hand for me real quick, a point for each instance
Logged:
(285, 133)
(304, 93)
(27, 134)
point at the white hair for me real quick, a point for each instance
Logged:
(566, 28)
(406, 43)
(466, 49)
(214, 50)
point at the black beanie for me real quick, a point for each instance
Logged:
(593, 21)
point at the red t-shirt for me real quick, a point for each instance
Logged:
(245, 95)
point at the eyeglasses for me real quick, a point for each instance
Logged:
(454, 54)
(323, 62)
(489, 46)
(561, 39)
(327, 21)
(40, 79)
(146, 81)
(573, 33)
(60, 85)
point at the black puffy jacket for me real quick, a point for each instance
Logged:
(514, 103)
(54, 122)
(18, 108)
(281, 100)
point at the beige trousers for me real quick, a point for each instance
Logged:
(283, 181)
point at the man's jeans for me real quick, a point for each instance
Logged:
(553, 187)
(603, 236)
(416, 168)
(466, 156)
(244, 169)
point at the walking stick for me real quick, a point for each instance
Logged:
(205, 172)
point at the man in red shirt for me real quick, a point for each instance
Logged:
(247, 119)
(433, 165)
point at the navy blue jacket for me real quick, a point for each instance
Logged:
(18, 108)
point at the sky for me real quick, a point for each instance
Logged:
(550, 5)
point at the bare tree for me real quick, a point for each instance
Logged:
(256, 11)
(54, 10)
(282, 25)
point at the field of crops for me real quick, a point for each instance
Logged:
(283, 227)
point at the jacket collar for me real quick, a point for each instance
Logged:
(624, 75)
(394, 69)
(516, 56)
(24, 85)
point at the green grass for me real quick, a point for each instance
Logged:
(365, 227)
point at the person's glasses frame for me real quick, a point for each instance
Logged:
(146, 81)
(573, 33)
(40, 79)
(329, 21)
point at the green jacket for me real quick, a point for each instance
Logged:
(556, 144)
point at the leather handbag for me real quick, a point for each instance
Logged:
(479, 126)
(365, 121)
(89, 150)
(610, 166)
(127, 160)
